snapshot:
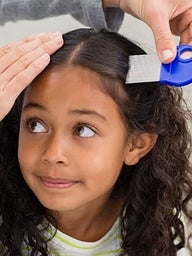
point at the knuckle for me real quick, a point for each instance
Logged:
(42, 38)
(4, 50)
(28, 59)
(14, 49)
(22, 79)
(18, 51)
(23, 62)
(47, 48)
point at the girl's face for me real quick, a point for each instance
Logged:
(72, 141)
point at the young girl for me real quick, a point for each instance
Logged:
(90, 165)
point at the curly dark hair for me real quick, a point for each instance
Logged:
(156, 190)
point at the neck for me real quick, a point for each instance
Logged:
(90, 223)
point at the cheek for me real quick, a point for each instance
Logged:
(102, 167)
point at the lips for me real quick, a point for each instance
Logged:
(50, 182)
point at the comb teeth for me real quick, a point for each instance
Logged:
(143, 68)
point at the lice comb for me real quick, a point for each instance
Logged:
(148, 68)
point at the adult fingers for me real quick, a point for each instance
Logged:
(163, 37)
(20, 57)
(182, 26)
(13, 52)
(186, 36)
(10, 91)
(21, 62)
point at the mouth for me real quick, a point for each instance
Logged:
(50, 182)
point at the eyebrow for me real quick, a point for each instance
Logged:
(88, 112)
(33, 105)
(73, 111)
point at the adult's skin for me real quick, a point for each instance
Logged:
(164, 17)
(21, 62)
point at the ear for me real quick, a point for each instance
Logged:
(138, 146)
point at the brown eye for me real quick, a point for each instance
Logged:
(36, 127)
(84, 131)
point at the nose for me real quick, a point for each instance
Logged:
(55, 151)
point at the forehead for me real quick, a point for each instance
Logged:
(75, 86)
(64, 79)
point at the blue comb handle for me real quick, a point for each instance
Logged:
(178, 72)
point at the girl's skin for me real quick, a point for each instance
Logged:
(72, 145)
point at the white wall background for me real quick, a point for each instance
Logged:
(131, 27)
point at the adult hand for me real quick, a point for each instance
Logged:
(21, 62)
(164, 17)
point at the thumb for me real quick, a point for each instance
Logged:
(164, 40)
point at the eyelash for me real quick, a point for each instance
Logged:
(29, 121)
(82, 125)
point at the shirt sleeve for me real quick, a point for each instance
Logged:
(88, 12)
(93, 15)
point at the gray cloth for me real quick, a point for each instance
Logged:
(88, 12)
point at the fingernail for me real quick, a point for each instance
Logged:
(57, 39)
(167, 55)
(44, 59)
